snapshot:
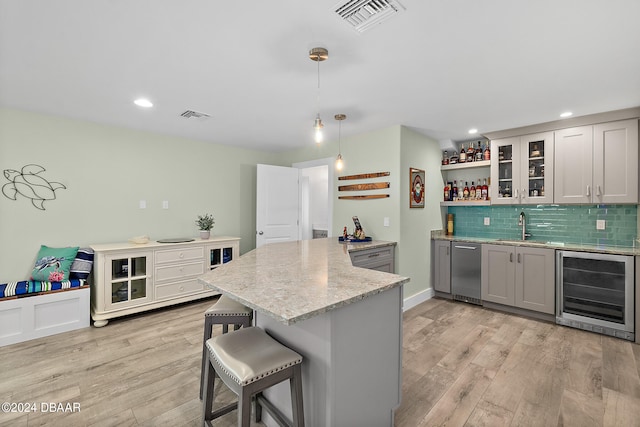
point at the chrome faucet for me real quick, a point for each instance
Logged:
(522, 222)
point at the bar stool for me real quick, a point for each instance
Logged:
(224, 312)
(249, 361)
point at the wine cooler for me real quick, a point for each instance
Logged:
(596, 293)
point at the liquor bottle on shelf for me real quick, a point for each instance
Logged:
(487, 152)
(471, 153)
(445, 158)
(462, 158)
(534, 190)
(454, 158)
(454, 195)
(479, 190)
(479, 155)
(485, 190)
(465, 191)
(472, 191)
(446, 192)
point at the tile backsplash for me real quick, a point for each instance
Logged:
(557, 223)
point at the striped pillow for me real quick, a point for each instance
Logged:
(82, 264)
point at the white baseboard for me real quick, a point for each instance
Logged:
(418, 298)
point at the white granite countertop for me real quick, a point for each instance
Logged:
(602, 249)
(293, 281)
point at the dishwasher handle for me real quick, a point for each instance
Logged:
(473, 248)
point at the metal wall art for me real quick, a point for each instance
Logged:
(416, 195)
(29, 184)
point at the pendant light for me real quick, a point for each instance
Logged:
(339, 162)
(318, 54)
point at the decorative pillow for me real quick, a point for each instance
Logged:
(81, 266)
(53, 264)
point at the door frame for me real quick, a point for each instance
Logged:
(330, 163)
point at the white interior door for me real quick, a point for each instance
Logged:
(276, 204)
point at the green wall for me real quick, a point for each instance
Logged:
(394, 149)
(107, 171)
(420, 152)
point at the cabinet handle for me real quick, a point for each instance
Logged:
(523, 194)
(447, 250)
(517, 194)
(588, 191)
(466, 247)
(181, 255)
(518, 258)
(511, 257)
(598, 191)
(374, 255)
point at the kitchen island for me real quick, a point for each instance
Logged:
(345, 321)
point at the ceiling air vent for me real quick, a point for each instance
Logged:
(364, 14)
(195, 115)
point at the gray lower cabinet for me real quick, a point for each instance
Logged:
(442, 266)
(381, 258)
(522, 277)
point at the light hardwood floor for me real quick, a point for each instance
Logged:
(463, 366)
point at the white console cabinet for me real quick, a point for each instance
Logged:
(130, 278)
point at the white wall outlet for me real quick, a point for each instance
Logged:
(142, 204)
(600, 224)
(487, 220)
(165, 204)
(386, 221)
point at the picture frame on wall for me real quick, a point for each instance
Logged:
(416, 192)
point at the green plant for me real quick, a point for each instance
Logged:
(205, 222)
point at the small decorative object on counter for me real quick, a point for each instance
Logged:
(344, 232)
(449, 224)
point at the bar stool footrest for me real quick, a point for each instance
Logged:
(275, 413)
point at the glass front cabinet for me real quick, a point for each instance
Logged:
(222, 253)
(128, 279)
(523, 171)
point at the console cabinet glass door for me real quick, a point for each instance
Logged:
(218, 255)
(128, 279)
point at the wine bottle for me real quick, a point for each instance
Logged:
(455, 191)
(445, 158)
(485, 190)
(446, 192)
(465, 191)
(462, 158)
(487, 152)
(471, 153)
(472, 191)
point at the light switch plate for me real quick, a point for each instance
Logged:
(143, 204)
(386, 221)
(600, 224)
(165, 204)
(487, 220)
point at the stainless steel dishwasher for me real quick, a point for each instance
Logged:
(465, 272)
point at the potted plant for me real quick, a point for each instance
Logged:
(205, 224)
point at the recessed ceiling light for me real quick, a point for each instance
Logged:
(473, 131)
(142, 102)
(566, 114)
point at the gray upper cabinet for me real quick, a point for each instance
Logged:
(597, 164)
(523, 169)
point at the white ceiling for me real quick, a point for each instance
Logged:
(440, 68)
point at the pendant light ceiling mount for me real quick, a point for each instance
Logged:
(318, 54)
